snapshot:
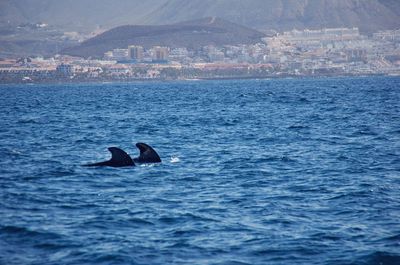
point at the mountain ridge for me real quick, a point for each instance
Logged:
(368, 15)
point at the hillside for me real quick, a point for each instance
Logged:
(190, 34)
(368, 15)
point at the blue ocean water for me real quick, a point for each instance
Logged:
(292, 171)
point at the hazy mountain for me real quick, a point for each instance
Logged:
(191, 34)
(369, 15)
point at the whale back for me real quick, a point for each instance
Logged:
(147, 154)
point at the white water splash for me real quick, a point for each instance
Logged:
(175, 159)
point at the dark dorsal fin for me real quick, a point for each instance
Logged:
(119, 158)
(147, 154)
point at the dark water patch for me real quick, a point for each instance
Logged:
(297, 127)
(184, 218)
(304, 100)
(16, 230)
(110, 259)
(285, 159)
(186, 232)
(23, 237)
(379, 258)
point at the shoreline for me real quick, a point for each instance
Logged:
(216, 78)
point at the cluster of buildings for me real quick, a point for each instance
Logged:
(137, 54)
(338, 51)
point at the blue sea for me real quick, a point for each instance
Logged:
(289, 171)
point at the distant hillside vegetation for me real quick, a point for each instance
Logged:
(190, 34)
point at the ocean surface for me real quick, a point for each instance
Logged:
(291, 171)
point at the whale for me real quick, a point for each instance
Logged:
(119, 158)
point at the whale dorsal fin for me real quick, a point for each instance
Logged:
(147, 154)
(120, 157)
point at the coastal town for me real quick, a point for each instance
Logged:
(324, 52)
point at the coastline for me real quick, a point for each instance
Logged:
(215, 78)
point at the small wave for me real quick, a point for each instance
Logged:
(278, 158)
(327, 109)
(353, 194)
(85, 140)
(326, 236)
(56, 172)
(394, 132)
(186, 232)
(28, 121)
(269, 252)
(364, 131)
(233, 262)
(53, 246)
(110, 259)
(298, 127)
(183, 218)
(392, 241)
(190, 179)
(393, 238)
(11, 152)
(140, 221)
